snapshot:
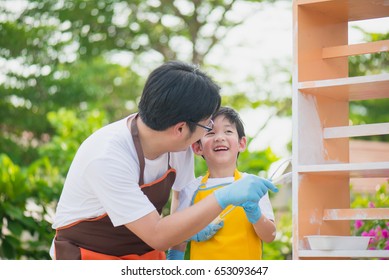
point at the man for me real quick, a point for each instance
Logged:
(122, 175)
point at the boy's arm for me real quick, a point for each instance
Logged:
(175, 201)
(265, 229)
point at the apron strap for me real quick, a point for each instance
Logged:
(139, 151)
(138, 147)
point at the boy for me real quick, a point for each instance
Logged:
(241, 233)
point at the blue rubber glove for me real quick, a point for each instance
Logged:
(175, 255)
(252, 210)
(250, 188)
(207, 233)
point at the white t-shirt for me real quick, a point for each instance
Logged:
(104, 175)
(186, 194)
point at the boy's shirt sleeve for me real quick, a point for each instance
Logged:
(183, 162)
(266, 207)
(186, 194)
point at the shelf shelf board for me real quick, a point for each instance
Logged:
(355, 170)
(356, 130)
(346, 10)
(345, 253)
(356, 49)
(354, 88)
(356, 214)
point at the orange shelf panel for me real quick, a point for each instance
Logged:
(348, 10)
(356, 49)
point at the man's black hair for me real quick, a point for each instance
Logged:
(176, 92)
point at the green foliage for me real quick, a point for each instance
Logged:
(377, 229)
(71, 131)
(29, 195)
(59, 54)
(26, 195)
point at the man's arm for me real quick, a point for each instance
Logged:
(163, 233)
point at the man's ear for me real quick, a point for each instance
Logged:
(242, 144)
(178, 129)
(197, 148)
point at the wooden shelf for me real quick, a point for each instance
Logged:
(356, 49)
(345, 10)
(322, 93)
(356, 214)
(355, 88)
(356, 130)
(345, 253)
(354, 170)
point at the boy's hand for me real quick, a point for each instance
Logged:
(250, 188)
(175, 255)
(207, 233)
(252, 210)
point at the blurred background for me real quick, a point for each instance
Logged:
(69, 67)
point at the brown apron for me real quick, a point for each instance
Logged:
(98, 239)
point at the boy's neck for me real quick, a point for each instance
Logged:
(222, 171)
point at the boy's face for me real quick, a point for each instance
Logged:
(222, 144)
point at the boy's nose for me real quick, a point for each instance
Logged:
(219, 137)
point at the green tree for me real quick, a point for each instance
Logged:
(29, 194)
(61, 53)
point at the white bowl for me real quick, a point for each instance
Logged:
(332, 242)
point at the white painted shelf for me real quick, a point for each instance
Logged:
(356, 214)
(356, 130)
(354, 170)
(354, 88)
(345, 253)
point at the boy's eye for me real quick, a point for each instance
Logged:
(229, 131)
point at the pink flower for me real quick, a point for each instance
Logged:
(385, 233)
(386, 245)
(372, 232)
(371, 204)
(358, 224)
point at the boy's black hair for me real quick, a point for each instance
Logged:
(176, 92)
(233, 117)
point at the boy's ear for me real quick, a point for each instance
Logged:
(242, 144)
(197, 148)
